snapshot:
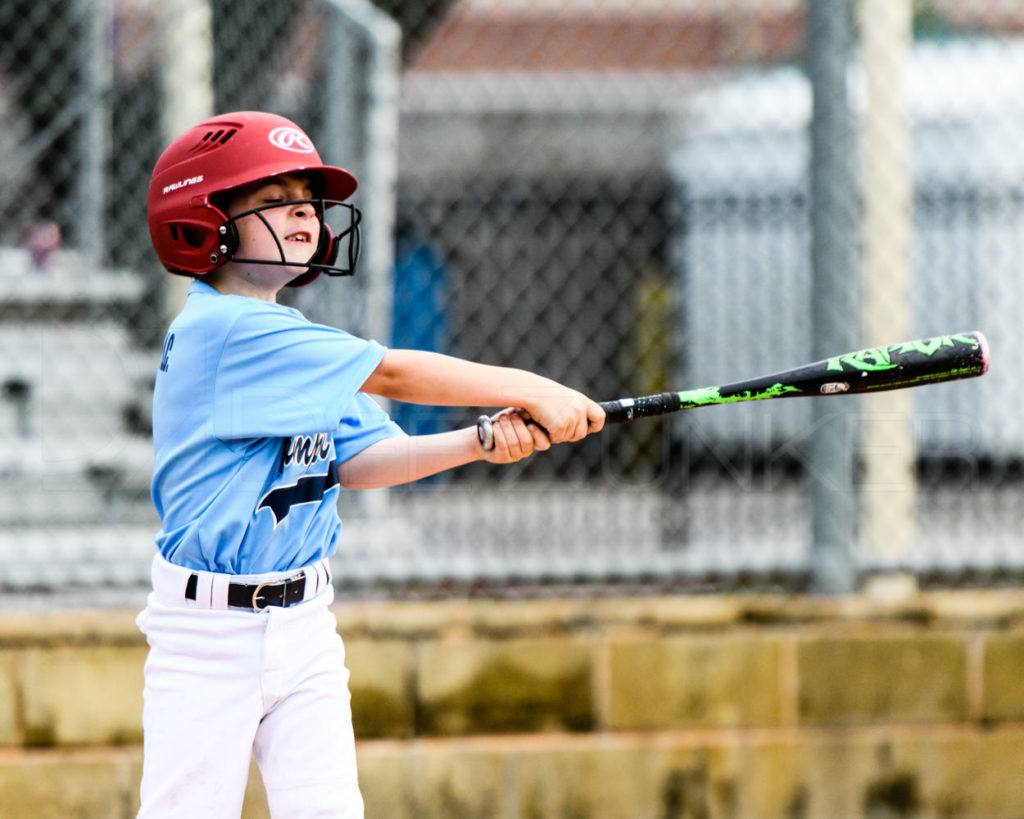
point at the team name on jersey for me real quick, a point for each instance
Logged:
(306, 450)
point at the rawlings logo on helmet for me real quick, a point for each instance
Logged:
(182, 183)
(291, 139)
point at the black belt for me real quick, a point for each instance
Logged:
(282, 593)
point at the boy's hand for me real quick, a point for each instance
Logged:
(513, 437)
(567, 415)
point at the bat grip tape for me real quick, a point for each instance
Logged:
(618, 412)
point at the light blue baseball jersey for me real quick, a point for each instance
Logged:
(254, 407)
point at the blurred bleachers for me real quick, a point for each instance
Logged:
(75, 454)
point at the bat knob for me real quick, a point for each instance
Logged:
(485, 433)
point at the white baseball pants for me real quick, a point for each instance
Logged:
(224, 685)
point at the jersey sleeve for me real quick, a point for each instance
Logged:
(279, 375)
(363, 423)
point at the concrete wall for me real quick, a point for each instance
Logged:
(617, 707)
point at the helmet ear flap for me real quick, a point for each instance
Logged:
(331, 246)
(327, 248)
(196, 246)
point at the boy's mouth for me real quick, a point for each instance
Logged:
(301, 236)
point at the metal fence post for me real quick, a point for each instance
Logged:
(833, 289)
(361, 133)
(96, 69)
(887, 486)
(186, 36)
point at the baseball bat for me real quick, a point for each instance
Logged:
(875, 369)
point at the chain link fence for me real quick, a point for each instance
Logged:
(619, 195)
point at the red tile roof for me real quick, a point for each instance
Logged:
(471, 39)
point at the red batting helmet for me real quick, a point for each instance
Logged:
(193, 236)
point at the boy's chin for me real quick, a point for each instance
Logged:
(295, 268)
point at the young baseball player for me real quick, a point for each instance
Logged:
(259, 419)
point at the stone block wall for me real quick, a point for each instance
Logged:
(657, 707)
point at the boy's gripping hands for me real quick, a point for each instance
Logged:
(572, 416)
(514, 437)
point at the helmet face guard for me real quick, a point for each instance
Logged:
(344, 234)
(192, 236)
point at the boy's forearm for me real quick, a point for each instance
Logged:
(395, 461)
(418, 377)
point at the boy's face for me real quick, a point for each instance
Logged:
(296, 226)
